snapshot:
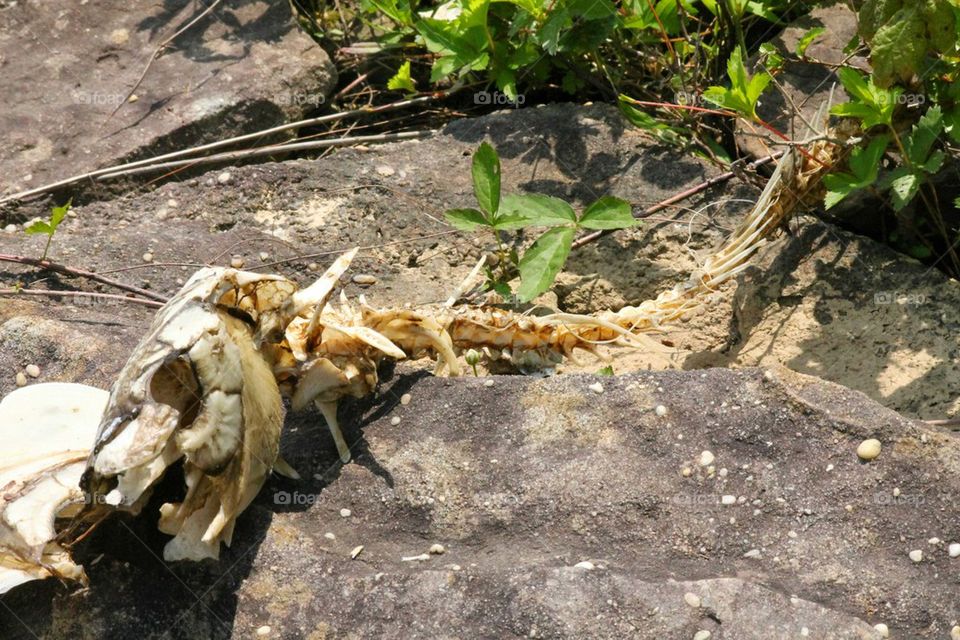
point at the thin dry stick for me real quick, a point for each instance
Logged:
(80, 273)
(82, 294)
(256, 135)
(683, 195)
(232, 156)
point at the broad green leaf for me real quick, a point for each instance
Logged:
(39, 227)
(807, 39)
(864, 164)
(755, 87)
(538, 209)
(486, 178)
(872, 104)
(904, 185)
(402, 81)
(466, 219)
(736, 71)
(923, 135)
(608, 213)
(506, 222)
(899, 47)
(59, 213)
(542, 262)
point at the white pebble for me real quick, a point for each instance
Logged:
(586, 564)
(896, 492)
(706, 458)
(395, 420)
(488, 383)
(869, 449)
(224, 177)
(792, 534)
(829, 467)
(329, 536)
(954, 550)
(660, 410)
(263, 631)
(933, 541)
(32, 370)
(264, 256)
(422, 556)
(916, 555)
(236, 262)
(686, 472)
(437, 549)
(313, 266)
(405, 399)
(148, 257)
(882, 629)
(728, 500)
(703, 634)
(753, 553)
(345, 513)
(356, 551)
(955, 633)
(723, 472)
(364, 279)
(692, 599)
(596, 387)
(21, 379)
(384, 170)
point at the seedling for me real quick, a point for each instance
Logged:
(49, 227)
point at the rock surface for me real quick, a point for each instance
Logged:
(64, 69)
(561, 517)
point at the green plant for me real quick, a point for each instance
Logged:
(542, 261)
(49, 227)
(744, 90)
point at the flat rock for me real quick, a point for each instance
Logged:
(64, 69)
(523, 481)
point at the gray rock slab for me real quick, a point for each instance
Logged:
(65, 68)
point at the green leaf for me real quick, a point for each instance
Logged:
(402, 81)
(538, 209)
(923, 135)
(608, 213)
(951, 123)
(542, 262)
(466, 219)
(605, 371)
(904, 185)
(58, 214)
(899, 47)
(486, 178)
(39, 227)
(744, 90)
(864, 164)
(807, 39)
(871, 104)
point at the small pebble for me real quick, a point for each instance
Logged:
(264, 256)
(686, 472)
(488, 383)
(313, 266)
(933, 541)
(882, 629)
(829, 467)
(596, 387)
(955, 633)
(21, 379)
(692, 599)
(728, 500)
(386, 171)
(236, 262)
(405, 399)
(329, 536)
(896, 492)
(753, 553)
(224, 178)
(437, 549)
(422, 556)
(916, 555)
(586, 564)
(703, 634)
(723, 472)
(148, 257)
(345, 513)
(792, 534)
(869, 449)
(395, 420)
(660, 410)
(954, 550)
(263, 631)
(364, 279)
(32, 370)
(706, 458)
(356, 551)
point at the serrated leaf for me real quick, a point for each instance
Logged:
(904, 185)
(899, 47)
(538, 209)
(923, 135)
(807, 39)
(542, 262)
(608, 213)
(401, 81)
(506, 222)
(864, 164)
(872, 104)
(466, 219)
(486, 178)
